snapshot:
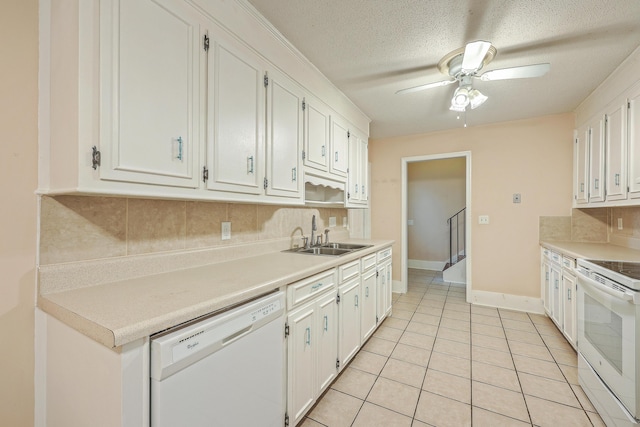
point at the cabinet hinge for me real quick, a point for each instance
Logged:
(266, 183)
(286, 420)
(337, 299)
(205, 174)
(266, 80)
(348, 134)
(348, 195)
(304, 155)
(628, 104)
(205, 42)
(337, 363)
(95, 157)
(304, 104)
(286, 330)
(377, 320)
(377, 273)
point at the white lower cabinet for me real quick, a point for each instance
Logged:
(349, 311)
(384, 284)
(558, 291)
(312, 327)
(369, 319)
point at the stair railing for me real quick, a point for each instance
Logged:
(455, 221)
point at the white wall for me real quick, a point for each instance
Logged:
(18, 182)
(435, 191)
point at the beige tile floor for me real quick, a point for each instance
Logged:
(438, 361)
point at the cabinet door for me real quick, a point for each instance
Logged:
(596, 161)
(235, 146)
(582, 165)
(389, 289)
(616, 145)
(364, 170)
(381, 292)
(556, 296)
(284, 136)
(546, 285)
(339, 161)
(301, 373)
(327, 337)
(349, 308)
(317, 121)
(369, 318)
(150, 57)
(569, 307)
(354, 177)
(634, 142)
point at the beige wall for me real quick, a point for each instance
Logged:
(532, 157)
(435, 191)
(18, 178)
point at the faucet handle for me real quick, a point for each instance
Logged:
(319, 241)
(326, 236)
(305, 242)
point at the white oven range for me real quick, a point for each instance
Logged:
(609, 338)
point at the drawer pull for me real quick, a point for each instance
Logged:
(316, 286)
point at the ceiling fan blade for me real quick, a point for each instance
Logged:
(474, 54)
(427, 86)
(524, 72)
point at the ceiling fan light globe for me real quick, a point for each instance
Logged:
(460, 97)
(476, 98)
(458, 108)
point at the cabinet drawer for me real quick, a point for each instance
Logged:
(384, 255)
(305, 290)
(348, 271)
(556, 257)
(368, 262)
(568, 262)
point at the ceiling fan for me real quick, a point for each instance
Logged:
(464, 64)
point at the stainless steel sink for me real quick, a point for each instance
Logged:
(323, 250)
(332, 249)
(349, 246)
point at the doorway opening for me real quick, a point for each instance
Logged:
(436, 215)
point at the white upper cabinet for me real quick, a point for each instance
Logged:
(582, 165)
(284, 136)
(236, 101)
(634, 142)
(150, 52)
(616, 151)
(357, 194)
(339, 158)
(596, 160)
(317, 122)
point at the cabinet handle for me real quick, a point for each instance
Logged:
(582, 187)
(179, 157)
(308, 336)
(356, 300)
(617, 179)
(356, 188)
(556, 283)
(362, 188)
(250, 164)
(569, 294)
(366, 292)
(316, 286)
(294, 174)
(324, 153)
(336, 157)
(326, 322)
(596, 183)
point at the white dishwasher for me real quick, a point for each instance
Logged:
(224, 370)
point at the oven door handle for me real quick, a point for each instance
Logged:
(604, 289)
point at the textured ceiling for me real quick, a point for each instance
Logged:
(371, 48)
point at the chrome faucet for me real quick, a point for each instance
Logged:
(313, 229)
(326, 237)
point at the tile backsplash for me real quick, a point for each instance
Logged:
(594, 225)
(79, 228)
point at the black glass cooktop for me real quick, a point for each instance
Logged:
(629, 269)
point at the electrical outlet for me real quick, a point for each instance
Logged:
(226, 231)
(619, 223)
(516, 198)
(332, 221)
(483, 219)
(409, 222)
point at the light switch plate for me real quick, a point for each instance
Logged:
(409, 222)
(516, 198)
(483, 219)
(226, 231)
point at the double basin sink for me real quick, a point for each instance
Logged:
(331, 249)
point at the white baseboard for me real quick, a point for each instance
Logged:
(426, 265)
(508, 301)
(397, 287)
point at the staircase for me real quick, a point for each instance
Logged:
(456, 267)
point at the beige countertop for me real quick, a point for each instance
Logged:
(120, 312)
(604, 251)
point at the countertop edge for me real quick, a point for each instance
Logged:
(116, 336)
(587, 250)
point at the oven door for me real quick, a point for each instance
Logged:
(607, 337)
